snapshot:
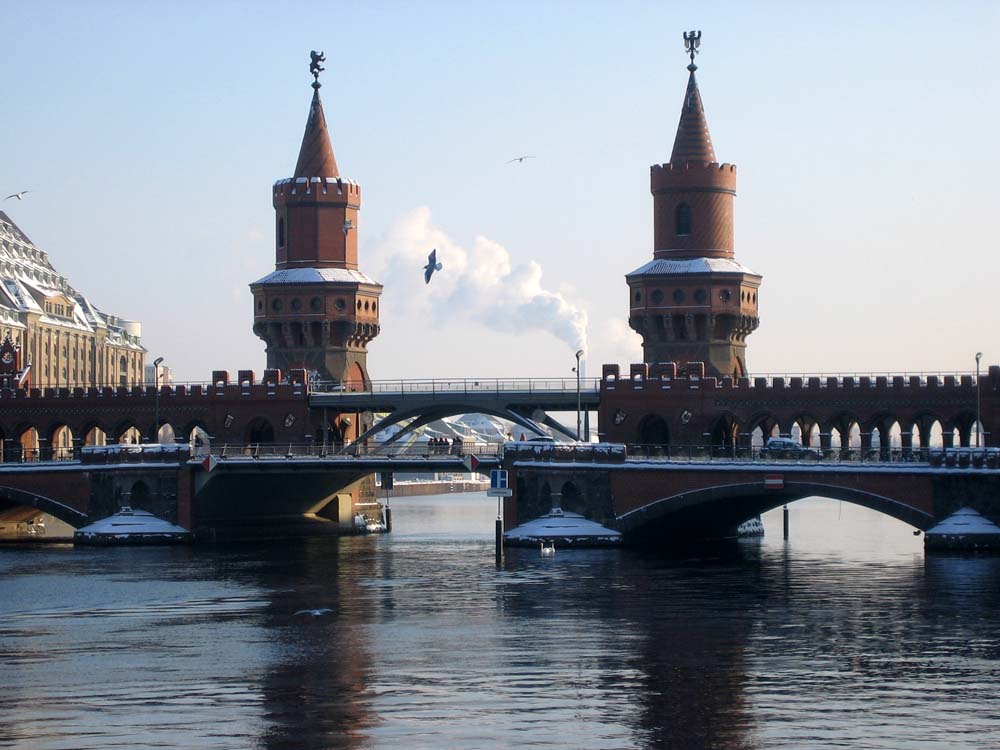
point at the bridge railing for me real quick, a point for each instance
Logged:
(18, 454)
(950, 457)
(461, 385)
(351, 452)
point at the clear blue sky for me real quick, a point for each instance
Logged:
(864, 133)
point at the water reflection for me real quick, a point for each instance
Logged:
(846, 635)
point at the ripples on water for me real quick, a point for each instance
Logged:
(845, 637)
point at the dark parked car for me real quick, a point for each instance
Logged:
(788, 448)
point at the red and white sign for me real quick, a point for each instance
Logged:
(209, 463)
(471, 462)
(774, 482)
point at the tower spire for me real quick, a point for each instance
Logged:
(316, 153)
(692, 142)
(694, 304)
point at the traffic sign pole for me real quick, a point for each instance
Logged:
(499, 532)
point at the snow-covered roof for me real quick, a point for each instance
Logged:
(27, 279)
(965, 521)
(313, 180)
(131, 521)
(315, 276)
(562, 525)
(666, 266)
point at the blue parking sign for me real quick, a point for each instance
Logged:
(498, 479)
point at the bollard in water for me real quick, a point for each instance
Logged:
(388, 519)
(784, 518)
(499, 540)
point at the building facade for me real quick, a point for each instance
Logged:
(693, 302)
(62, 339)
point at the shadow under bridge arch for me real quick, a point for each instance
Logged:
(11, 497)
(424, 414)
(720, 508)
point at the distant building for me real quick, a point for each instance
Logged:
(61, 338)
(166, 375)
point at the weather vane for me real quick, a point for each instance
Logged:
(315, 68)
(692, 41)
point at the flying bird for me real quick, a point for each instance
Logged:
(520, 159)
(314, 612)
(19, 196)
(432, 266)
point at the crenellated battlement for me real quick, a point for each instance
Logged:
(671, 177)
(666, 375)
(271, 386)
(330, 190)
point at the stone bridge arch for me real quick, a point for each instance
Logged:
(12, 497)
(719, 509)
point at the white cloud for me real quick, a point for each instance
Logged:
(480, 284)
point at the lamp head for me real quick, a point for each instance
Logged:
(579, 353)
(157, 361)
(978, 356)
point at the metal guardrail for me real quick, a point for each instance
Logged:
(352, 452)
(461, 386)
(541, 451)
(950, 457)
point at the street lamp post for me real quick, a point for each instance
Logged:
(156, 413)
(579, 353)
(979, 424)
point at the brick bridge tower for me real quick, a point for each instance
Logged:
(317, 311)
(693, 302)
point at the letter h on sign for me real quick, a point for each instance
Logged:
(498, 484)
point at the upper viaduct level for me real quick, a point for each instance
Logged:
(663, 404)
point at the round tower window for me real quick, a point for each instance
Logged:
(340, 304)
(700, 295)
(678, 295)
(638, 296)
(656, 297)
(725, 295)
(359, 305)
(374, 306)
(276, 305)
(315, 304)
(260, 304)
(296, 304)
(366, 304)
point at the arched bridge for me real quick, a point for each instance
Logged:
(411, 404)
(651, 499)
(227, 486)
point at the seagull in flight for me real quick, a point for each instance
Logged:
(314, 612)
(520, 159)
(432, 266)
(19, 196)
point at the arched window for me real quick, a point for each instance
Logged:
(281, 232)
(683, 219)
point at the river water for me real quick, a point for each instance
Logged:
(846, 636)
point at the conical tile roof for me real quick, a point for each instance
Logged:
(316, 154)
(693, 142)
